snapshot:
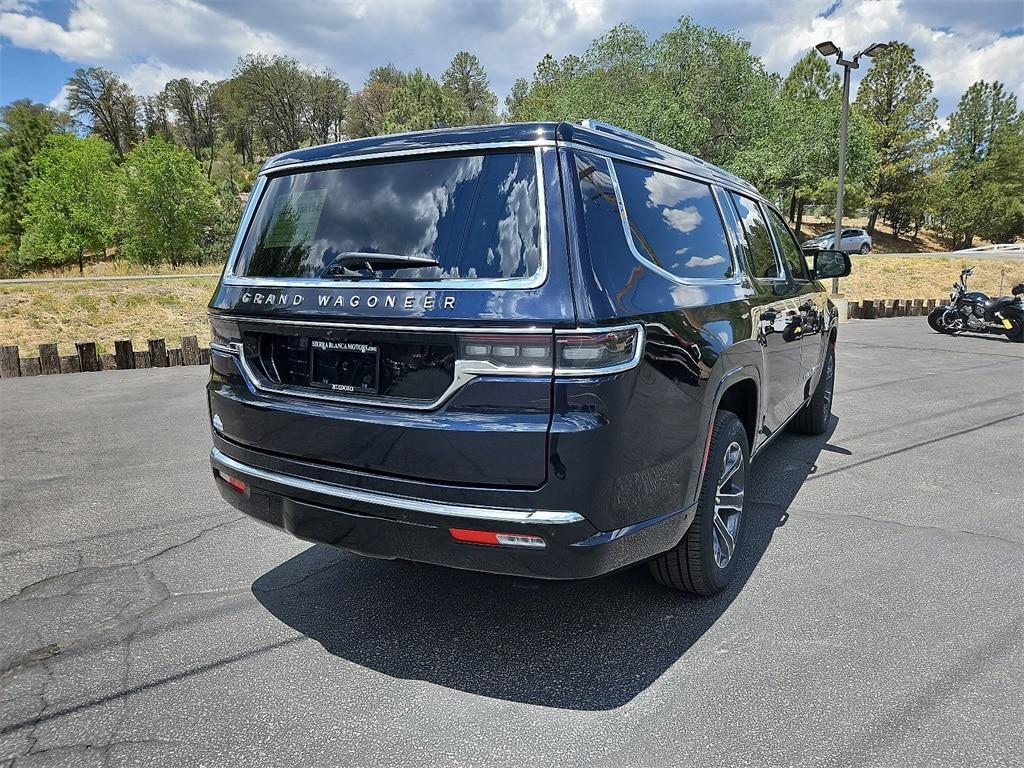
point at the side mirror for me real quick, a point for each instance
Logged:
(831, 264)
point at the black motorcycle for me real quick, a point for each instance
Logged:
(974, 311)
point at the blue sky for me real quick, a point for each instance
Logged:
(150, 41)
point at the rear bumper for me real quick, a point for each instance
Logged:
(399, 527)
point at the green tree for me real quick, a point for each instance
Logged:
(796, 157)
(467, 85)
(368, 108)
(155, 118)
(24, 128)
(195, 116)
(723, 85)
(70, 202)
(517, 108)
(109, 106)
(168, 203)
(985, 150)
(237, 121)
(694, 88)
(272, 92)
(896, 97)
(418, 103)
(326, 101)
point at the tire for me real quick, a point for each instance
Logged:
(696, 564)
(935, 321)
(813, 418)
(864, 248)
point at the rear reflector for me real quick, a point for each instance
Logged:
(468, 536)
(234, 482)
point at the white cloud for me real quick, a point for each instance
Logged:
(59, 101)
(705, 261)
(953, 57)
(683, 219)
(150, 42)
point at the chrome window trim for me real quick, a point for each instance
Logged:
(443, 509)
(768, 211)
(440, 149)
(465, 370)
(655, 165)
(771, 237)
(624, 216)
(535, 280)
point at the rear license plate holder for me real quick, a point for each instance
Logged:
(344, 366)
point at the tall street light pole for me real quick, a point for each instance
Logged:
(829, 49)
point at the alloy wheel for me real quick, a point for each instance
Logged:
(728, 505)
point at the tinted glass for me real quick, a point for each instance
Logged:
(788, 247)
(758, 243)
(477, 216)
(674, 222)
(600, 206)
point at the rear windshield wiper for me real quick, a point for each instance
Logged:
(343, 264)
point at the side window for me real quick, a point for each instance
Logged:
(758, 247)
(790, 251)
(674, 223)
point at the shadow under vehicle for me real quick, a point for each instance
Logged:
(523, 640)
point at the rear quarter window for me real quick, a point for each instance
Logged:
(756, 243)
(674, 223)
(477, 215)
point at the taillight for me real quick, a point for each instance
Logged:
(596, 352)
(520, 351)
(567, 353)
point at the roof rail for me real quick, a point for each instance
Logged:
(614, 130)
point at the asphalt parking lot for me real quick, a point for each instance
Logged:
(877, 620)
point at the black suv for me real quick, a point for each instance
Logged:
(541, 349)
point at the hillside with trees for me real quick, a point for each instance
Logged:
(161, 179)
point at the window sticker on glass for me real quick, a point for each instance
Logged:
(295, 218)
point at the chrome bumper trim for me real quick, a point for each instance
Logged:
(398, 502)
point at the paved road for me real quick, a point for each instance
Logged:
(878, 618)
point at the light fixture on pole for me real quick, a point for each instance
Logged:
(829, 49)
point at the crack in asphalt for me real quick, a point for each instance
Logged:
(194, 671)
(155, 593)
(38, 584)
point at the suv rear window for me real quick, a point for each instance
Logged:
(674, 223)
(478, 216)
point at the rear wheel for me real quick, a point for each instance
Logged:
(813, 418)
(704, 562)
(864, 248)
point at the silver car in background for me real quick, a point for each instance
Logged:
(853, 241)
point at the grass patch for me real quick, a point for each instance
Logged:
(918, 277)
(104, 312)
